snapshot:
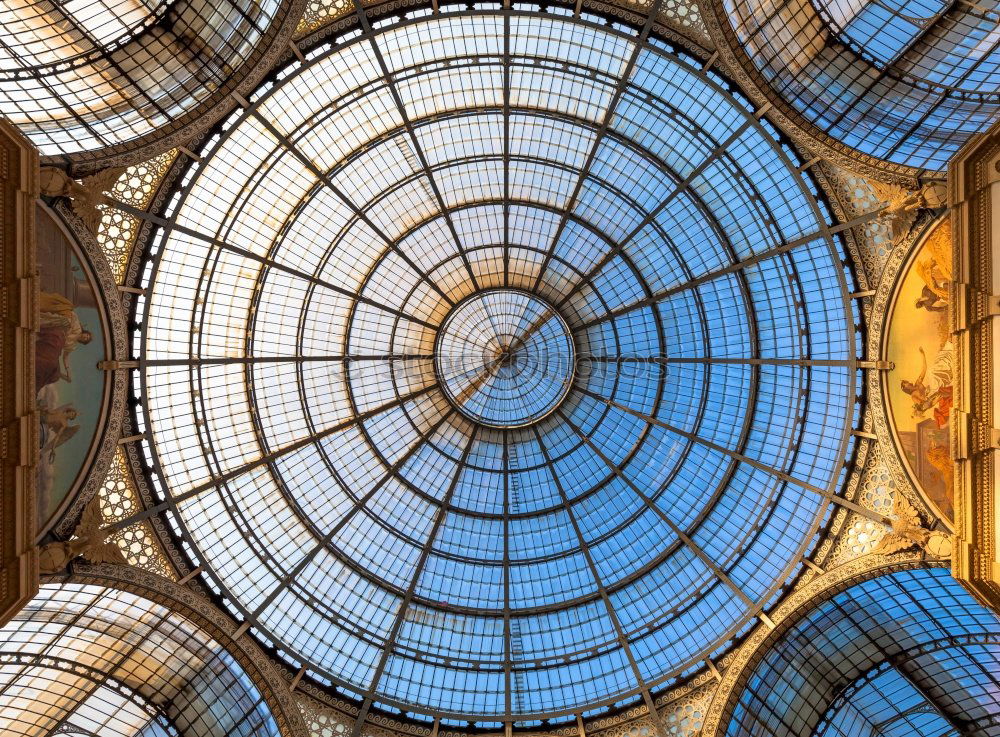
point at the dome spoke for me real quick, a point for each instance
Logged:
(543, 382)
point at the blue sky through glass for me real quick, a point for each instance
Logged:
(381, 537)
(908, 81)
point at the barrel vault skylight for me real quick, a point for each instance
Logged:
(908, 81)
(497, 365)
(82, 76)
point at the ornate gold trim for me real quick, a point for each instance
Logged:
(678, 21)
(19, 423)
(974, 198)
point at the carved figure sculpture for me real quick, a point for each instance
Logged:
(89, 541)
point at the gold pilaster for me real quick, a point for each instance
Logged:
(18, 423)
(974, 199)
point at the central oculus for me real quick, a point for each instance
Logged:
(505, 358)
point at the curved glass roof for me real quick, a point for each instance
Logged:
(908, 82)
(570, 553)
(91, 74)
(885, 702)
(49, 33)
(504, 358)
(82, 659)
(909, 653)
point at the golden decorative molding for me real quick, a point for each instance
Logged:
(902, 206)
(320, 12)
(85, 195)
(974, 198)
(851, 196)
(118, 501)
(907, 531)
(678, 20)
(681, 711)
(859, 534)
(19, 423)
(785, 615)
(118, 230)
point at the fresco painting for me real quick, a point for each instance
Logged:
(920, 384)
(69, 386)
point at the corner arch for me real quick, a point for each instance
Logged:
(905, 614)
(89, 640)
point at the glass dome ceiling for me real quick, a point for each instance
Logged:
(504, 358)
(498, 365)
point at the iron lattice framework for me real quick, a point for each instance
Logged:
(351, 509)
(910, 651)
(98, 83)
(900, 85)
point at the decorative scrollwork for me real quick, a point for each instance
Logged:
(118, 230)
(85, 195)
(118, 500)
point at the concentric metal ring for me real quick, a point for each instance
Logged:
(333, 492)
(505, 358)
